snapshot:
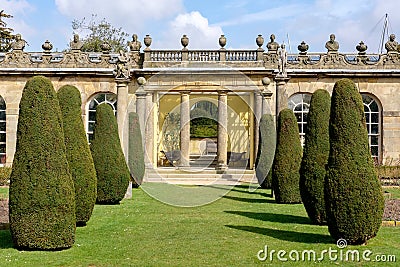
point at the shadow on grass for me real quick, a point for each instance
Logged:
(5, 239)
(251, 200)
(273, 217)
(291, 236)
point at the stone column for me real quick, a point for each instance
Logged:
(258, 109)
(281, 94)
(185, 129)
(149, 131)
(122, 106)
(222, 143)
(141, 106)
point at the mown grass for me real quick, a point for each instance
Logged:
(227, 232)
(3, 192)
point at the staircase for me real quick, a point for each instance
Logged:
(199, 176)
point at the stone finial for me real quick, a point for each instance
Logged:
(184, 42)
(47, 46)
(134, 45)
(272, 45)
(392, 45)
(141, 81)
(75, 44)
(332, 45)
(303, 48)
(260, 41)
(362, 48)
(222, 41)
(266, 81)
(105, 47)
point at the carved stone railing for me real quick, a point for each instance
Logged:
(168, 58)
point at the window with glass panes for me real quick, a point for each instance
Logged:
(300, 104)
(2, 131)
(373, 121)
(98, 99)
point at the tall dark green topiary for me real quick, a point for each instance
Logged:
(315, 157)
(42, 203)
(286, 166)
(266, 151)
(78, 153)
(353, 195)
(111, 168)
(136, 155)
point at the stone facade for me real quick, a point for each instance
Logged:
(244, 84)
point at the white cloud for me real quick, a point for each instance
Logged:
(201, 34)
(131, 15)
(18, 9)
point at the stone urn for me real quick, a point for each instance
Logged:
(303, 48)
(47, 46)
(222, 41)
(260, 41)
(105, 47)
(362, 48)
(184, 41)
(147, 41)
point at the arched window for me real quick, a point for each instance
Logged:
(372, 111)
(300, 104)
(2, 131)
(108, 98)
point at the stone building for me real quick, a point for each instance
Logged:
(236, 86)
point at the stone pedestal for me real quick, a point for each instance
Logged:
(185, 129)
(222, 143)
(281, 93)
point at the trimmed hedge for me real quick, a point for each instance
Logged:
(111, 168)
(42, 195)
(78, 153)
(266, 151)
(353, 195)
(286, 166)
(136, 154)
(315, 157)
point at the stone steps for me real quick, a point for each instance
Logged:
(199, 176)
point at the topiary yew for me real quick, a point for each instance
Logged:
(315, 157)
(111, 168)
(136, 155)
(42, 204)
(286, 166)
(78, 153)
(266, 151)
(353, 195)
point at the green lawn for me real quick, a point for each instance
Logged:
(228, 232)
(394, 192)
(3, 192)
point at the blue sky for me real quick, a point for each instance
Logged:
(292, 21)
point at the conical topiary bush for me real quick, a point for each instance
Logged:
(42, 203)
(353, 195)
(315, 157)
(78, 153)
(286, 166)
(136, 155)
(266, 151)
(111, 168)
